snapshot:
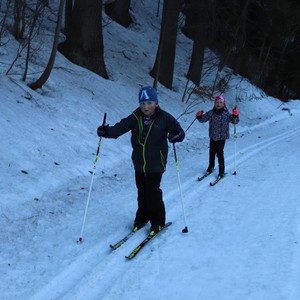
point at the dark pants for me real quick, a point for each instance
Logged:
(150, 203)
(217, 148)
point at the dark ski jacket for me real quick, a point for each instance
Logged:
(149, 143)
(219, 120)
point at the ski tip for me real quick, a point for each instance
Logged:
(168, 224)
(115, 247)
(132, 255)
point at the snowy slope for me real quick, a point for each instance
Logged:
(243, 240)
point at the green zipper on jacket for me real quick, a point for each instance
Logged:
(141, 127)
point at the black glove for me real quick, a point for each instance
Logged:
(175, 137)
(102, 130)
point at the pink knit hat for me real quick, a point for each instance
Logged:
(220, 98)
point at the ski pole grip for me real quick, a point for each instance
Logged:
(103, 123)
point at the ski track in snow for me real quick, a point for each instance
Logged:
(91, 270)
(242, 155)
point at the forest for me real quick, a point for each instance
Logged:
(258, 39)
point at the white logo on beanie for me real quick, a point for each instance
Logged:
(148, 94)
(144, 95)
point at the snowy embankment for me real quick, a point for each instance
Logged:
(243, 240)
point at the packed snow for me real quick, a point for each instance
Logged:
(244, 233)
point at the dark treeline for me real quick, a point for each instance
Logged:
(258, 39)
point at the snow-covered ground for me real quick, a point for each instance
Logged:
(243, 240)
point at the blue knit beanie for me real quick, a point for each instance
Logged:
(148, 93)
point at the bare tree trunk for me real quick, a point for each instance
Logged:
(19, 19)
(199, 13)
(164, 64)
(38, 9)
(118, 10)
(84, 45)
(68, 17)
(44, 77)
(3, 21)
(241, 37)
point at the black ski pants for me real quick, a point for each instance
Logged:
(150, 203)
(217, 148)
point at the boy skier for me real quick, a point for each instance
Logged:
(150, 128)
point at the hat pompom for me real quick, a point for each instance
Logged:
(148, 93)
